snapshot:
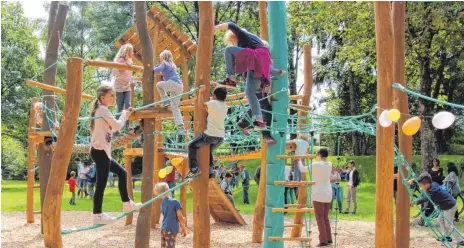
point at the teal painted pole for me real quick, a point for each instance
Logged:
(274, 222)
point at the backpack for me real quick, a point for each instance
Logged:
(452, 188)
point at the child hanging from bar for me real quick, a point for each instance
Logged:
(171, 84)
(246, 53)
(123, 78)
(215, 131)
(100, 152)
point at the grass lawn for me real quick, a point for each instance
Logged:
(14, 193)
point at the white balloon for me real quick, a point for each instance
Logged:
(383, 119)
(443, 120)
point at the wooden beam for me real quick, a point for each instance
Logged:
(405, 142)
(243, 156)
(295, 156)
(293, 210)
(142, 234)
(302, 107)
(290, 239)
(201, 224)
(263, 25)
(150, 113)
(258, 218)
(53, 88)
(384, 231)
(54, 194)
(114, 65)
(30, 165)
(294, 183)
(133, 152)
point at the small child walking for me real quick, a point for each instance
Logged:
(72, 187)
(215, 131)
(100, 152)
(173, 218)
(123, 78)
(171, 84)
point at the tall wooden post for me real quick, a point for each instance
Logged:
(263, 26)
(52, 205)
(384, 143)
(128, 160)
(258, 217)
(56, 23)
(142, 234)
(308, 86)
(185, 76)
(183, 172)
(201, 225)
(159, 158)
(30, 165)
(401, 103)
(274, 222)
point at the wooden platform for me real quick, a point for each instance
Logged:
(220, 207)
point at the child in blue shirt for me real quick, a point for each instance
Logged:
(171, 210)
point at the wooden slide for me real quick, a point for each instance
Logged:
(220, 207)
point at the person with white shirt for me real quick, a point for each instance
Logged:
(321, 194)
(353, 182)
(287, 174)
(301, 148)
(100, 152)
(215, 131)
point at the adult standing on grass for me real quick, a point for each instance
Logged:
(321, 194)
(452, 184)
(353, 182)
(245, 184)
(257, 175)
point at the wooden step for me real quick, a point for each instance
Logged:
(36, 161)
(298, 239)
(296, 205)
(36, 212)
(294, 183)
(36, 187)
(294, 225)
(294, 210)
(295, 156)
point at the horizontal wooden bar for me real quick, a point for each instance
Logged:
(133, 152)
(243, 156)
(114, 65)
(302, 107)
(294, 183)
(295, 205)
(36, 187)
(299, 239)
(296, 97)
(37, 212)
(36, 134)
(53, 88)
(150, 113)
(295, 156)
(294, 225)
(289, 210)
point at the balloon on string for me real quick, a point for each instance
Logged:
(162, 173)
(443, 120)
(383, 119)
(412, 126)
(394, 114)
(176, 161)
(169, 169)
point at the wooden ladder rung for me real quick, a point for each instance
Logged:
(296, 205)
(299, 239)
(295, 156)
(36, 187)
(36, 212)
(294, 225)
(294, 183)
(294, 210)
(36, 161)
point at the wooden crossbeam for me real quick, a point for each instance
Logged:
(53, 88)
(36, 134)
(299, 239)
(36, 187)
(295, 156)
(295, 205)
(289, 210)
(294, 225)
(150, 113)
(133, 152)
(302, 107)
(37, 212)
(114, 65)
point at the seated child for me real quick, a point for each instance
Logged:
(173, 217)
(215, 131)
(445, 202)
(225, 186)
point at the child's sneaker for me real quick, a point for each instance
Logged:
(244, 131)
(445, 239)
(259, 125)
(193, 173)
(130, 206)
(103, 219)
(181, 130)
(461, 243)
(228, 83)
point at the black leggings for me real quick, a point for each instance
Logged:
(104, 165)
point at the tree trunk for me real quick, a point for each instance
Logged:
(56, 21)
(428, 141)
(142, 234)
(354, 135)
(292, 72)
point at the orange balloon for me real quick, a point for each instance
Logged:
(176, 161)
(412, 126)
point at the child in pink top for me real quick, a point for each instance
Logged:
(123, 78)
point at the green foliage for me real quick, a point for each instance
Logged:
(14, 160)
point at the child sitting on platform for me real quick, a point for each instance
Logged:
(171, 210)
(171, 84)
(215, 131)
(445, 202)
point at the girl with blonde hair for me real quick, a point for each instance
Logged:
(171, 84)
(123, 78)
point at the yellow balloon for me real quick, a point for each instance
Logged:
(412, 126)
(394, 114)
(168, 169)
(176, 161)
(162, 173)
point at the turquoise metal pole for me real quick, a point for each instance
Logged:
(274, 222)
